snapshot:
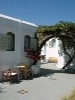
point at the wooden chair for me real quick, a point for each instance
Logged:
(9, 75)
(25, 71)
(5, 75)
(13, 75)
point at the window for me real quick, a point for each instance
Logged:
(11, 41)
(27, 42)
(52, 43)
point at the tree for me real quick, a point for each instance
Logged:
(64, 31)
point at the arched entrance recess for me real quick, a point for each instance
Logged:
(65, 32)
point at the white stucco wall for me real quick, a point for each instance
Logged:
(63, 58)
(20, 29)
(58, 52)
(50, 51)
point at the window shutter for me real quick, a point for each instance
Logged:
(33, 44)
(3, 42)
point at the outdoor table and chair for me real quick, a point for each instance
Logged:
(9, 75)
(15, 74)
(24, 71)
(42, 57)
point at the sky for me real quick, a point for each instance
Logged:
(39, 12)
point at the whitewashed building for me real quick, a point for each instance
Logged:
(15, 36)
(50, 50)
(53, 51)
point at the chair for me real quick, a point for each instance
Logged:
(5, 75)
(25, 71)
(9, 75)
(13, 75)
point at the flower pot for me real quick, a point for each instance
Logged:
(36, 68)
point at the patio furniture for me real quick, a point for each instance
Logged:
(42, 57)
(13, 75)
(25, 71)
(9, 75)
(20, 75)
(5, 75)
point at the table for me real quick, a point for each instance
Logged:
(18, 67)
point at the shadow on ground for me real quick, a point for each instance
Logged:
(48, 72)
(44, 72)
(2, 90)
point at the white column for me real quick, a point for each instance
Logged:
(45, 52)
(61, 59)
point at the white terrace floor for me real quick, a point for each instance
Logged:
(51, 84)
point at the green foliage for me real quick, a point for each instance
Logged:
(62, 26)
(64, 31)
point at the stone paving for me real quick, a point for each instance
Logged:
(51, 84)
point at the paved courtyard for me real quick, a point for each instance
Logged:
(51, 84)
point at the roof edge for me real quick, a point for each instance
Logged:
(18, 20)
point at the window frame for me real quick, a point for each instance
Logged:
(27, 40)
(52, 43)
(11, 41)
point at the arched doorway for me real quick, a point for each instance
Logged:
(64, 31)
(50, 50)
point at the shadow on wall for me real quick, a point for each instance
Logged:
(72, 64)
(63, 58)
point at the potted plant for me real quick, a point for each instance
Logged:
(35, 55)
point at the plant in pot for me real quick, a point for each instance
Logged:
(35, 55)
